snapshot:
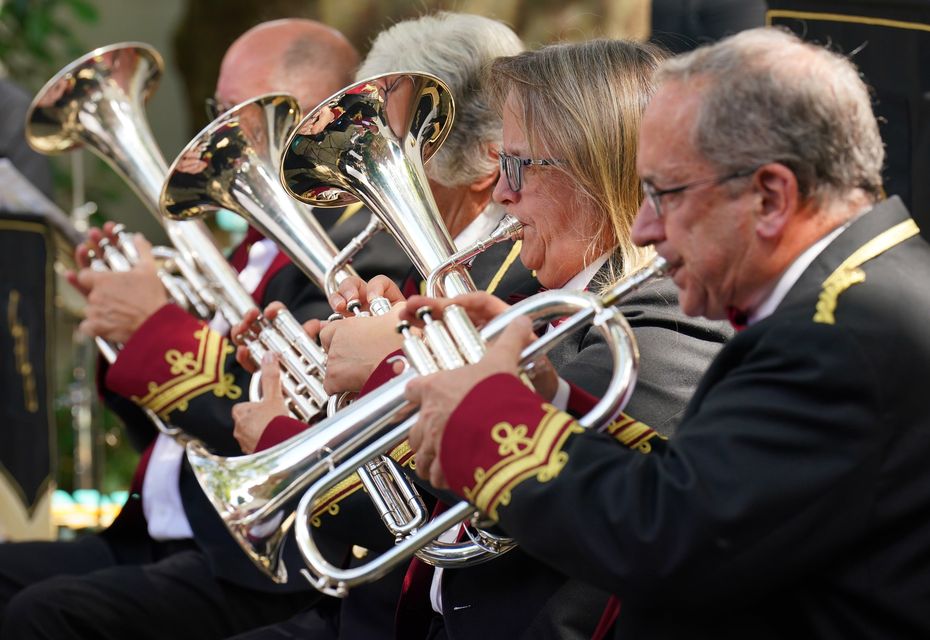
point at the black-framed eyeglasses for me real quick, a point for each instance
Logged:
(655, 195)
(512, 167)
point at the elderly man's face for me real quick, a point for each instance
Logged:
(705, 231)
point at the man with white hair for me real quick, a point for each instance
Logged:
(454, 47)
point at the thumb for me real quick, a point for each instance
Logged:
(511, 342)
(271, 376)
(413, 392)
(312, 328)
(85, 280)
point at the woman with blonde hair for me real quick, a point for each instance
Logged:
(571, 115)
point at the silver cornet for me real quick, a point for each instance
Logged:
(368, 142)
(97, 102)
(233, 164)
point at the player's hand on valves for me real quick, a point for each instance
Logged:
(248, 329)
(355, 346)
(481, 307)
(118, 302)
(355, 289)
(437, 396)
(251, 418)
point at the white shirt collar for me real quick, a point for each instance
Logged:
(582, 279)
(792, 274)
(481, 227)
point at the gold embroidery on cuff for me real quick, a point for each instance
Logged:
(194, 376)
(523, 457)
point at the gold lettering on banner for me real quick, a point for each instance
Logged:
(20, 334)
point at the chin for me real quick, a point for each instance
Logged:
(689, 306)
(531, 263)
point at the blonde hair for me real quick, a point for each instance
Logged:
(582, 104)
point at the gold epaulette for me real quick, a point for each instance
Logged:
(849, 273)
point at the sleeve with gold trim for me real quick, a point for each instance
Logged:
(773, 466)
(173, 359)
(187, 373)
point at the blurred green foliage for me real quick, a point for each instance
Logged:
(36, 36)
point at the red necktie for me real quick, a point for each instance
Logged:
(738, 318)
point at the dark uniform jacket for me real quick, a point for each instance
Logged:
(516, 596)
(794, 499)
(187, 374)
(347, 514)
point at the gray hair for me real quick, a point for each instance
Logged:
(455, 47)
(769, 97)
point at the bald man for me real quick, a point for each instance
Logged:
(304, 58)
(167, 568)
(311, 61)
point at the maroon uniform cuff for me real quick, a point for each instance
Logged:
(278, 430)
(170, 359)
(502, 434)
(382, 373)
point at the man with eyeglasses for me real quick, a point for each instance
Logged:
(793, 500)
(167, 568)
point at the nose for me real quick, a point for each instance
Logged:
(648, 227)
(503, 194)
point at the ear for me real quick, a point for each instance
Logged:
(777, 186)
(487, 181)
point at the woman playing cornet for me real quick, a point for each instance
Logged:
(571, 116)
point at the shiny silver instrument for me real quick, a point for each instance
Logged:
(585, 308)
(253, 492)
(233, 164)
(368, 142)
(97, 102)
